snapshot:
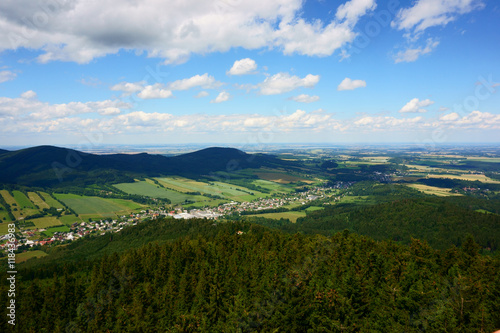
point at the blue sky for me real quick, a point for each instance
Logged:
(233, 71)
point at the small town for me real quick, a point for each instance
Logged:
(29, 239)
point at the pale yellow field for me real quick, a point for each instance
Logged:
(376, 159)
(419, 167)
(10, 200)
(7, 197)
(481, 178)
(442, 192)
(35, 198)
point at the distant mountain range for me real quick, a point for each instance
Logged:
(52, 166)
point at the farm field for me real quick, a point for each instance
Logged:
(470, 177)
(69, 219)
(484, 159)
(313, 208)
(21, 206)
(20, 257)
(51, 201)
(376, 159)
(292, 216)
(50, 231)
(147, 189)
(272, 186)
(7, 197)
(22, 200)
(4, 228)
(441, 192)
(281, 178)
(37, 200)
(95, 206)
(228, 191)
(44, 222)
(4, 215)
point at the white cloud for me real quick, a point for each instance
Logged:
(429, 13)
(242, 67)
(154, 91)
(202, 94)
(303, 98)
(205, 81)
(412, 54)
(450, 117)
(348, 84)
(129, 87)
(416, 106)
(352, 10)
(81, 31)
(28, 94)
(28, 108)
(222, 97)
(283, 82)
(7, 76)
(478, 119)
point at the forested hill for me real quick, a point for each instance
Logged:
(48, 165)
(438, 221)
(262, 280)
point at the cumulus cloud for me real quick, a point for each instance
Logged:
(429, 13)
(128, 87)
(202, 94)
(351, 11)
(222, 97)
(416, 106)
(303, 98)
(28, 94)
(282, 82)
(27, 115)
(7, 76)
(242, 67)
(205, 81)
(27, 107)
(450, 117)
(412, 54)
(154, 91)
(159, 90)
(81, 31)
(348, 84)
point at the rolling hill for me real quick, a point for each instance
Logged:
(52, 166)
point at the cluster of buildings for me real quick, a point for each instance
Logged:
(81, 229)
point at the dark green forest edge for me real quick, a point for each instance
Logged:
(385, 257)
(242, 277)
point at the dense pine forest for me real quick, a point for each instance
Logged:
(201, 276)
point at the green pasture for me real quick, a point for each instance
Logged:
(228, 191)
(69, 219)
(292, 216)
(4, 214)
(83, 205)
(61, 228)
(147, 189)
(51, 201)
(20, 257)
(4, 228)
(272, 186)
(44, 222)
(22, 200)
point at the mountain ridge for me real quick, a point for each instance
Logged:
(51, 165)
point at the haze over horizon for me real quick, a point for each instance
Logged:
(229, 71)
